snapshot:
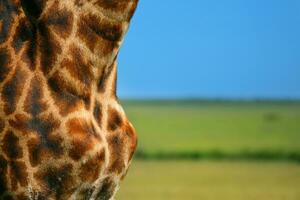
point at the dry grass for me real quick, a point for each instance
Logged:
(211, 181)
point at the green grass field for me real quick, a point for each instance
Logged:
(211, 181)
(229, 128)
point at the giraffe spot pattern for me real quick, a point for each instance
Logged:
(41, 150)
(60, 20)
(2, 125)
(7, 9)
(67, 97)
(90, 170)
(34, 103)
(49, 47)
(115, 142)
(18, 174)
(3, 172)
(101, 85)
(86, 193)
(130, 139)
(107, 190)
(56, 181)
(97, 112)
(115, 120)
(118, 5)
(45, 143)
(29, 54)
(11, 147)
(83, 135)
(64, 100)
(117, 152)
(90, 31)
(48, 44)
(33, 8)
(4, 64)
(12, 90)
(78, 68)
(122, 141)
(104, 29)
(22, 34)
(42, 131)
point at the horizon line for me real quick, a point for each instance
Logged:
(286, 99)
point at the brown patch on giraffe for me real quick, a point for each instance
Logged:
(40, 37)
(4, 64)
(60, 20)
(2, 125)
(87, 35)
(12, 90)
(118, 6)
(33, 9)
(65, 101)
(117, 152)
(19, 123)
(78, 67)
(57, 182)
(104, 29)
(101, 85)
(90, 170)
(114, 120)
(40, 151)
(18, 174)
(3, 172)
(29, 54)
(11, 146)
(34, 103)
(22, 34)
(122, 141)
(94, 30)
(49, 47)
(8, 9)
(97, 112)
(83, 137)
(44, 143)
(130, 138)
(67, 98)
(107, 190)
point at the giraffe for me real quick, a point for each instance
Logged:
(63, 132)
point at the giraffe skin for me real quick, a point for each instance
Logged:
(63, 133)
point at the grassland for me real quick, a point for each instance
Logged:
(208, 180)
(248, 148)
(232, 129)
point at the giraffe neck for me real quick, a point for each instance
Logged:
(63, 134)
(76, 44)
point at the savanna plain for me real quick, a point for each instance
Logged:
(191, 149)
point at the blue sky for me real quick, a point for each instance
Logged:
(212, 49)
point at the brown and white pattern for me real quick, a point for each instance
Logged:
(63, 133)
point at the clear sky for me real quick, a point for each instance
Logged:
(212, 49)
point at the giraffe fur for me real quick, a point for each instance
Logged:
(63, 132)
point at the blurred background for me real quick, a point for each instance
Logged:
(213, 89)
